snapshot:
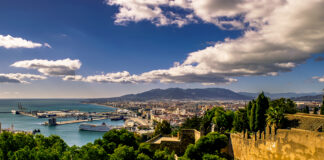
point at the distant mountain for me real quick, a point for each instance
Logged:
(280, 95)
(183, 94)
(317, 98)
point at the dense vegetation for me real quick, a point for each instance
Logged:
(255, 116)
(207, 147)
(114, 145)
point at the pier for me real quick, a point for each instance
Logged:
(27, 114)
(54, 123)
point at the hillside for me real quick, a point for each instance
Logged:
(281, 95)
(183, 94)
(317, 98)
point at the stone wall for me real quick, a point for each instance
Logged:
(285, 144)
(186, 137)
(305, 121)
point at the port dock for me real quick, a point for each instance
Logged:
(76, 115)
(27, 114)
(52, 122)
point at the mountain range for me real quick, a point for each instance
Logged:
(205, 94)
(281, 95)
(183, 94)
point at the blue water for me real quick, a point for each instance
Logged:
(70, 132)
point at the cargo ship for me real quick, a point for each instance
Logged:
(93, 127)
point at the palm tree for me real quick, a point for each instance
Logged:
(275, 116)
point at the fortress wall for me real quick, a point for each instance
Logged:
(286, 144)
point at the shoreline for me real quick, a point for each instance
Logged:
(98, 104)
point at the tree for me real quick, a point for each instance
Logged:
(163, 128)
(143, 156)
(248, 109)
(207, 120)
(192, 123)
(212, 157)
(322, 107)
(287, 105)
(262, 105)
(93, 151)
(145, 149)
(73, 152)
(115, 137)
(223, 120)
(212, 143)
(305, 110)
(275, 116)
(315, 110)
(25, 147)
(22, 154)
(252, 116)
(240, 121)
(163, 155)
(123, 153)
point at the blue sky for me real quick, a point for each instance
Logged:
(104, 41)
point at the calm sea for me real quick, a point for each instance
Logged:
(70, 132)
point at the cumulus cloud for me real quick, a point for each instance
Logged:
(16, 42)
(118, 77)
(50, 67)
(280, 35)
(319, 79)
(226, 14)
(19, 77)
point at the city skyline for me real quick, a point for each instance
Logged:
(98, 48)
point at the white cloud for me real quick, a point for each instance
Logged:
(139, 10)
(226, 14)
(281, 34)
(49, 67)
(319, 79)
(47, 45)
(19, 77)
(16, 42)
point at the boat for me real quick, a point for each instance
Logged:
(14, 111)
(117, 118)
(93, 127)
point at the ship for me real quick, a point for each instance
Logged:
(20, 108)
(117, 118)
(92, 127)
(14, 112)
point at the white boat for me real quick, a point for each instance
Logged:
(92, 127)
(14, 112)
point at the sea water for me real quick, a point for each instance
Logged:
(69, 132)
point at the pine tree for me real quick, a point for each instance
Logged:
(305, 109)
(248, 111)
(262, 105)
(315, 110)
(252, 117)
(322, 107)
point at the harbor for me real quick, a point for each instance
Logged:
(78, 116)
(69, 132)
(76, 122)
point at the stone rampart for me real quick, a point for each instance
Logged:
(285, 144)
